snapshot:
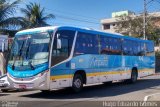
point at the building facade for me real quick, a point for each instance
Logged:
(109, 24)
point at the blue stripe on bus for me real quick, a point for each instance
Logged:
(104, 63)
(27, 73)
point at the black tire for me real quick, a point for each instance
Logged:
(46, 91)
(4, 90)
(133, 76)
(133, 79)
(77, 84)
(107, 83)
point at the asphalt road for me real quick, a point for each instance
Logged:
(94, 95)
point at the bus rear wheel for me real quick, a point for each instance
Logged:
(134, 76)
(77, 84)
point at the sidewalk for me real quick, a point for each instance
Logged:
(154, 97)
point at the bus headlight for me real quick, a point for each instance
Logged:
(2, 81)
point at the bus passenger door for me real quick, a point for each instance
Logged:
(62, 46)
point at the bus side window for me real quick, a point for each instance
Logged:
(141, 49)
(110, 45)
(81, 44)
(150, 49)
(62, 45)
(104, 45)
(138, 48)
(135, 48)
(131, 51)
(128, 47)
(124, 47)
(86, 44)
(147, 49)
(142, 53)
(117, 47)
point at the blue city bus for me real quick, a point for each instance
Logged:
(56, 57)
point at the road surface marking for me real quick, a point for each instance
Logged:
(149, 96)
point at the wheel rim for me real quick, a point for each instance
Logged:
(77, 83)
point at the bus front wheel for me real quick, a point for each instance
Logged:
(77, 83)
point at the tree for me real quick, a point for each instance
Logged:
(9, 23)
(35, 16)
(133, 26)
(130, 25)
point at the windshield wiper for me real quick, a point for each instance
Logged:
(27, 51)
(32, 67)
(19, 54)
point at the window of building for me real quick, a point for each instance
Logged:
(106, 26)
(113, 24)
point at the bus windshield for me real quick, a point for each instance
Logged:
(29, 50)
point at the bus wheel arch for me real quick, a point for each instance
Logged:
(83, 73)
(79, 79)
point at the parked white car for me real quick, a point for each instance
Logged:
(4, 84)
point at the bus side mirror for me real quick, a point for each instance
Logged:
(2, 48)
(59, 43)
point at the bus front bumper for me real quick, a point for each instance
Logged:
(37, 82)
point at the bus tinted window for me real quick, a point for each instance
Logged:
(102, 44)
(110, 46)
(135, 48)
(150, 49)
(86, 44)
(62, 45)
(142, 49)
(127, 47)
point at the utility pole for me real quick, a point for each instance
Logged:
(144, 20)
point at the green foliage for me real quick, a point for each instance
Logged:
(133, 26)
(130, 25)
(7, 19)
(157, 53)
(34, 16)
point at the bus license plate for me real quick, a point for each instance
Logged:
(22, 86)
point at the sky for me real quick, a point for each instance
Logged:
(88, 13)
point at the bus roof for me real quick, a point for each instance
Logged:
(109, 34)
(87, 30)
(39, 29)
